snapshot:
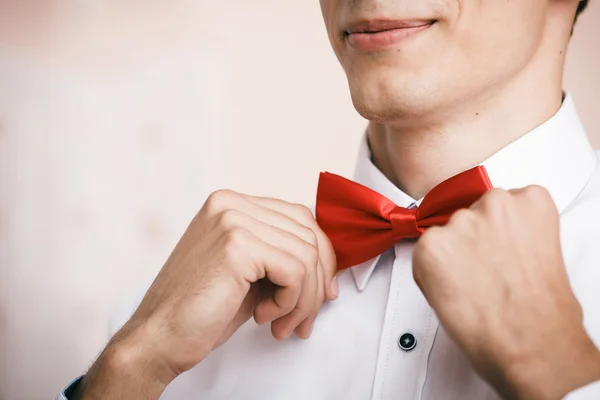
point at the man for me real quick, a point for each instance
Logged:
(461, 96)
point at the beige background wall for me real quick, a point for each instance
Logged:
(118, 117)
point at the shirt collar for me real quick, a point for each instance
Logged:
(556, 155)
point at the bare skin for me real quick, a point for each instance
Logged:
(507, 301)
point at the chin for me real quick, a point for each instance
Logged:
(394, 93)
(393, 105)
(379, 113)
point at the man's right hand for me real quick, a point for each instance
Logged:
(241, 256)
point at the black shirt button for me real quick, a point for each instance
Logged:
(407, 342)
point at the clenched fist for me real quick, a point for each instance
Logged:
(242, 256)
(495, 277)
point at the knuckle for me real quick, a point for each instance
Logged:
(305, 213)
(462, 217)
(228, 219)
(536, 191)
(538, 195)
(289, 306)
(310, 237)
(496, 197)
(236, 238)
(307, 301)
(498, 204)
(320, 296)
(219, 199)
(428, 248)
(302, 310)
(430, 239)
(540, 199)
(311, 253)
(300, 271)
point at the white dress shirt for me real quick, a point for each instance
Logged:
(355, 351)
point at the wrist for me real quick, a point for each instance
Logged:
(552, 378)
(134, 350)
(127, 368)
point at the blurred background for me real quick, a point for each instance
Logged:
(119, 117)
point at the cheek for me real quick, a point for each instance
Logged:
(329, 9)
(498, 34)
(332, 10)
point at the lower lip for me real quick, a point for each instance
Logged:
(384, 39)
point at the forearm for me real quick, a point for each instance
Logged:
(124, 370)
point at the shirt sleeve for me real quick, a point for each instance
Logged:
(69, 391)
(589, 392)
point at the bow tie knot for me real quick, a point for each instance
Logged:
(404, 223)
(361, 223)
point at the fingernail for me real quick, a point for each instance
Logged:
(335, 288)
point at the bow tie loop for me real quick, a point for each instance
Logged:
(404, 224)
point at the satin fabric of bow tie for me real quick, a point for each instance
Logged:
(361, 223)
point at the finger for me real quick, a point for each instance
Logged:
(284, 271)
(308, 302)
(303, 316)
(312, 294)
(301, 249)
(536, 198)
(305, 258)
(221, 204)
(268, 217)
(278, 219)
(494, 197)
(275, 229)
(304, 330)
(304, 216)
(517, 191)
(220, 201)
(257, 261)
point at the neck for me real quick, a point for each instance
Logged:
(416, 156)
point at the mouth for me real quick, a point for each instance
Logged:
(371, 35)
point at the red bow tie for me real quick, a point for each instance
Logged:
(362, 224)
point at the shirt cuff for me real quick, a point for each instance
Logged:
(589, 392)
(69, 391)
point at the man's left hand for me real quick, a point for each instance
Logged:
(496, 278)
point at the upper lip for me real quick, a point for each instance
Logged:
(380, 25)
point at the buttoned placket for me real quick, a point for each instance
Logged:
(407, 314)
